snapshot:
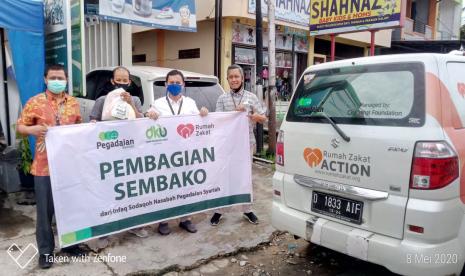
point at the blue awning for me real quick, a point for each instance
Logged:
(24, 22)
(22, 15)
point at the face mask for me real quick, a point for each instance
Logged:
(56, 86)
(174, 89)
(238, 89)
(125, 86)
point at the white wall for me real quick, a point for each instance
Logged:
(145, 43)
(203, 39)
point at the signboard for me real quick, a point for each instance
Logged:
(77, 49)
(111, 176)
(178, 15)
(295, 11)
(344, 16)
(56, 34)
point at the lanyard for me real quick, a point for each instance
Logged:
(171, 107)
(234, 102)
(58, 112)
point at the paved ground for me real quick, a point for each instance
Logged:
(288, 257)
(152, 255)
(235, 247)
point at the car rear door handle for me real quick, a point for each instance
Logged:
(315, 183)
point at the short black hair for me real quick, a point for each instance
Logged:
(55, 67)
(235, 67)
(174, 73)
(120, 68)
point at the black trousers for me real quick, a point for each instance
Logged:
(45, 212)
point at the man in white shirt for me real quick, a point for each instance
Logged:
(174, 103)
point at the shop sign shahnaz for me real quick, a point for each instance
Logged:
(343, 16)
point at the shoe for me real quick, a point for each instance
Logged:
(215, 220)
(74, 250)
(251, 217)
(140, 232)
(188, 226)
(164, 228)
(44, 262)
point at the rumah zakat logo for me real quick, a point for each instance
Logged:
(185, 130)
(313, 157)
(336, 163)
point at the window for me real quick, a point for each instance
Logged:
(189, 53)
(139, 58)
(390, 94)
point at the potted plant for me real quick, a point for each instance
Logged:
(24, 169)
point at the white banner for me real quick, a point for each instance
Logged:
(111, 176)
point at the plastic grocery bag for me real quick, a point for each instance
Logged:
(115, 108)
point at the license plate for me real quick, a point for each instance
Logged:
(337, 207)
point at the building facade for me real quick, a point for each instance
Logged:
(431, 20)
(295, 50)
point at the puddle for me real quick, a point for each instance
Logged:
(12, 221)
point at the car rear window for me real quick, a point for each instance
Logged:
(387, 94)
(202, 92)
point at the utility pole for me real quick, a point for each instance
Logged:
(218, 27)
(272, 79)
(259, 67)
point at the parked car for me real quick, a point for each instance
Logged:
(371, 161)
(148, 83)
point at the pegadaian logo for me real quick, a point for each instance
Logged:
(313, 157)
(156, 133)
(108, 135)
(109, 140)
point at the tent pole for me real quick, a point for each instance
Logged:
(5, 87)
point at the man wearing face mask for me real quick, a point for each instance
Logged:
(174, 103)
(120, 79)
(239, 99)
(54, 107)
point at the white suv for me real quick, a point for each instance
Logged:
(148, 83)
(371, 161)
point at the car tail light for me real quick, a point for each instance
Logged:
(416, 229)
(280, 149)
(435, 165)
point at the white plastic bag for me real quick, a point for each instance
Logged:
(115, 108)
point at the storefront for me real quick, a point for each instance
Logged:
(238, 42)
(291, 57)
